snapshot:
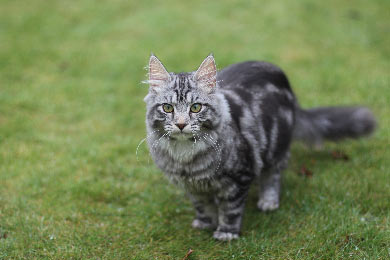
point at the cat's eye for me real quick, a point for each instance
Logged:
(167, 108)
(195, 108)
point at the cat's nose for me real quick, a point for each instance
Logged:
(181, 126)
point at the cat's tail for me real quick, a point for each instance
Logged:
(313, 126)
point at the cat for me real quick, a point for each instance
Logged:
(214, 132)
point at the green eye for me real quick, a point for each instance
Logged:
(195, 108)
(167, 108)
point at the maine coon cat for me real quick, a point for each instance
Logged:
(214, 132)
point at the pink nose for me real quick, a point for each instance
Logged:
(181, 126)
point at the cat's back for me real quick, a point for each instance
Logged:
(254, 82)
(252, 75)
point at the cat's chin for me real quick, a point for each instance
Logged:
(182, 137)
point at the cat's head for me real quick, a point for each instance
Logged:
(182, 104)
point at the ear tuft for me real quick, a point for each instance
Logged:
(206, 75)
(158, 75)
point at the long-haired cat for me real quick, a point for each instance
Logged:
(214, 132)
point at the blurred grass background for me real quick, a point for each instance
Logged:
(72, 115)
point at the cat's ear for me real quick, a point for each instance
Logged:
(158, 75)
(206, 75)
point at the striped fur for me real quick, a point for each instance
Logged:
(242, 133)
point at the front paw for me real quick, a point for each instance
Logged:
(225, 236)
(197, 223)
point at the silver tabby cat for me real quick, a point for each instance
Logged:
(215, 132)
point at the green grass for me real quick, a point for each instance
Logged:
(72, 115)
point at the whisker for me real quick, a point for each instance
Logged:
(217, 149)
(156, 143)
(142, 141)
(136, 151)
(193, 145)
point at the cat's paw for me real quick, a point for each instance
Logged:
(268, 204)
(225, 236)
(197, 223)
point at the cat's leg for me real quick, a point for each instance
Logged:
(270, 186)
(231, 205)
(206, 211)
(269, 194)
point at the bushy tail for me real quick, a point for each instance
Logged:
(313, 126)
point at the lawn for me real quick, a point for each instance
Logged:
(72, 115)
